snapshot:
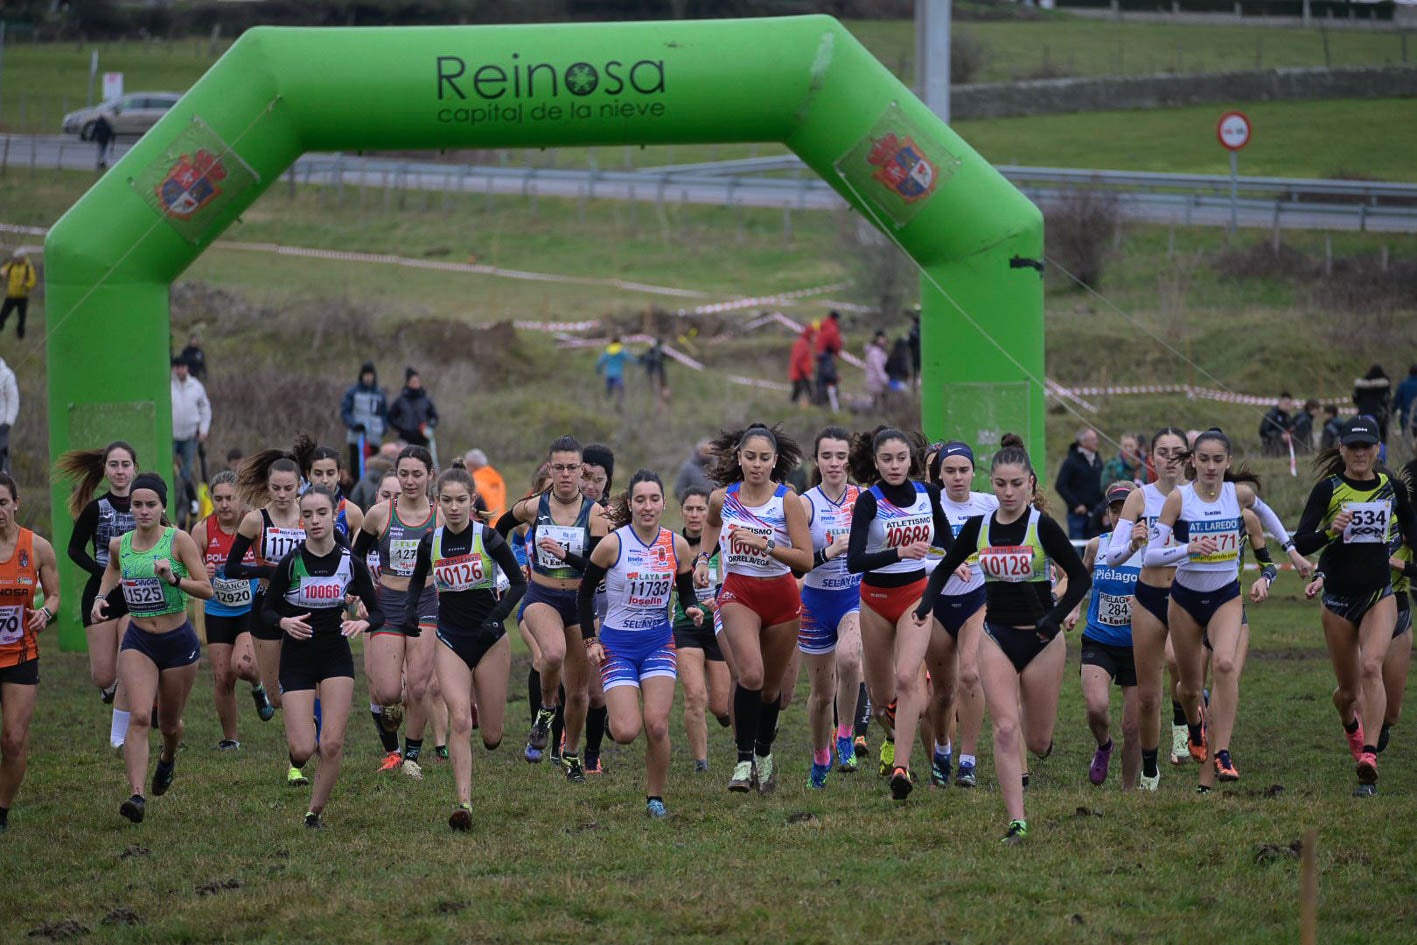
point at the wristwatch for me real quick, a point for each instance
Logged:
(767, 549)
(49, 615)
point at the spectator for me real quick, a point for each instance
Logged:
(876, 379)
(195, 357)
(234, 459)
(1148, 470)
(828, 349)
(19, 277)
(1303, 431)
(694, 471)
(653, 360)
(191, 416)
(9, 411)
(1328, 438)
(412, 414)
(1404, 402)
(490, 484)
(898, 365)
(366, 491)
(1080, 483)
(1276, 426)
(365, 411)
(800, 365)
(1126, 465)
(103, 136)
(912, 339)
(611, 364)
(1372, 394)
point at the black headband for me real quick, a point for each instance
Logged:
(151, 481)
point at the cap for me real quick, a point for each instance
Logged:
(1359, 431)
(1118, 494)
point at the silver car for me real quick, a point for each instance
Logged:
(131, 115)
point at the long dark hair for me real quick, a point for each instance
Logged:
(617, 512)
(723, 465)
(253, 481)
(419, 453)
(829, 433)
(862, 459)
(308, 458)
(1012, 453)
(86, 468)
(8, 482)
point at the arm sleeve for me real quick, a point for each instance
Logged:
(422, 564)
(508, 522)
(857, 560)
(1157, 554)
(1119, 549)
(581, 562)
(1311, 536)
(1271, 523)
(1061, 550)
(363, 587)
(274, 597)
(80, 538)
(944, 533)
(234, 567)
(964, 544)
(585, 598)
(363, 544)
(506, 559)
(688, 594)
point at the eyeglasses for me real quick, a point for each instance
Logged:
(563, 468)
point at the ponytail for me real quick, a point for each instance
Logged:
(86, 467)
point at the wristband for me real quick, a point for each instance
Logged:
(176, 581)
(1269, 573)
(49, 615)
(819, 558)
(1318, 576)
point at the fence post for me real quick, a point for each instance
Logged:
(5, 157)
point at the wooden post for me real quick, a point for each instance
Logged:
(1309, 889)
(1328, 254)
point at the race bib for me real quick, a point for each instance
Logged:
(282, 541)
(1226, 533)
(463, 573)
(706, 595)
(1010, 563)
(403, 555)
(143, 594)
(648, 590)
(372, 559)
(908, 531)
(570, 537)
(232, 593)
(12, 625)
(739, 552)
(1113, 611)
(319, 592)
(1369, 524)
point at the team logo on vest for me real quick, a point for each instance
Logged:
(24, 559)
(191, 184)
(902, 167)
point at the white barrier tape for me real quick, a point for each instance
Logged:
(762, 301)
(1190, 391)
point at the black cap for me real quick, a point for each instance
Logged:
(1359, 431)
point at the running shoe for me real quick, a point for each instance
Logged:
(964, 777)
(391, 761)
(1017, 833)
(1368, 768)
(461, 819)
(818, 777)
(228, 744)
(1197, 749)
(1145, 783)
(1180, 754)
(859, 747)
(134, 808)
(1355, 740)
(887, 758)
(765, 773)
(700, 765)
(940, 769)
(1383, 735)
(1025, 780)
(592, 763)
(742, 780)
(413, 769)
(163, 775)
(1366, 790)
(575, 774)
(540, 733)
(656, 809)
(264, 710)
(295, 777)
(1101, 761)
(845, 755)
(901, 783)
(313, 821)
(1225, 768)
(106, 695)
(533, 755)
(440, 752)
(1202, 789)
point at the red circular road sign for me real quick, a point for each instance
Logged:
(1233, 130)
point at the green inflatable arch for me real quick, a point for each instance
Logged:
(803, 81)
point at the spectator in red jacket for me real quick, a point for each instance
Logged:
(828, 349)
(800, 365)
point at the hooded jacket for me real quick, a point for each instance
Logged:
(366, 406)
(409, 414)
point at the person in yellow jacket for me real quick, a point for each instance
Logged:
(19, 277)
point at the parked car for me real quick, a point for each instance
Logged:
(132, 115)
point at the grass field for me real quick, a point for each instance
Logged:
(223, 857)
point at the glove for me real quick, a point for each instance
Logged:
(412, 630)
(1047, 627)
(493, 628)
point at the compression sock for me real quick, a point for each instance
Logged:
(118, 728)
(411, 749)
(390, 740)
(822, 756)
(747, 704)
(595, 719)
(1148, 761)
(1349, 727)
(843, 731)
(1178, 714)
(863, 711)
(767, 727)
(533, 692)
(967, 760)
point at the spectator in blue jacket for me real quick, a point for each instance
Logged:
(365, 412)
(611, 364)
(1404, 401)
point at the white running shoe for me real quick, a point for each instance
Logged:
(742, 780)
(1149, 784)
(1180, 753)
(411, 768)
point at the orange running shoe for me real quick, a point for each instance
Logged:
(1368, 768)
(1225, 767)
(392, 761)
(1355, 740)
(1198, 752)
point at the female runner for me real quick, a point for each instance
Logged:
(401, 663)
(475, 657)
(830, 639)
(959, 612)
(158, 567)
(27, 565)
(597, 477)
(641, 563)
(1022, 653)
(228, 613)
(702, 671)
(313, 597)
(763, 537)
(1399, 652)
(565, 526)
(1348, 516)
(893, 526)
(386, 718)
(323, 469)
(98, 521)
